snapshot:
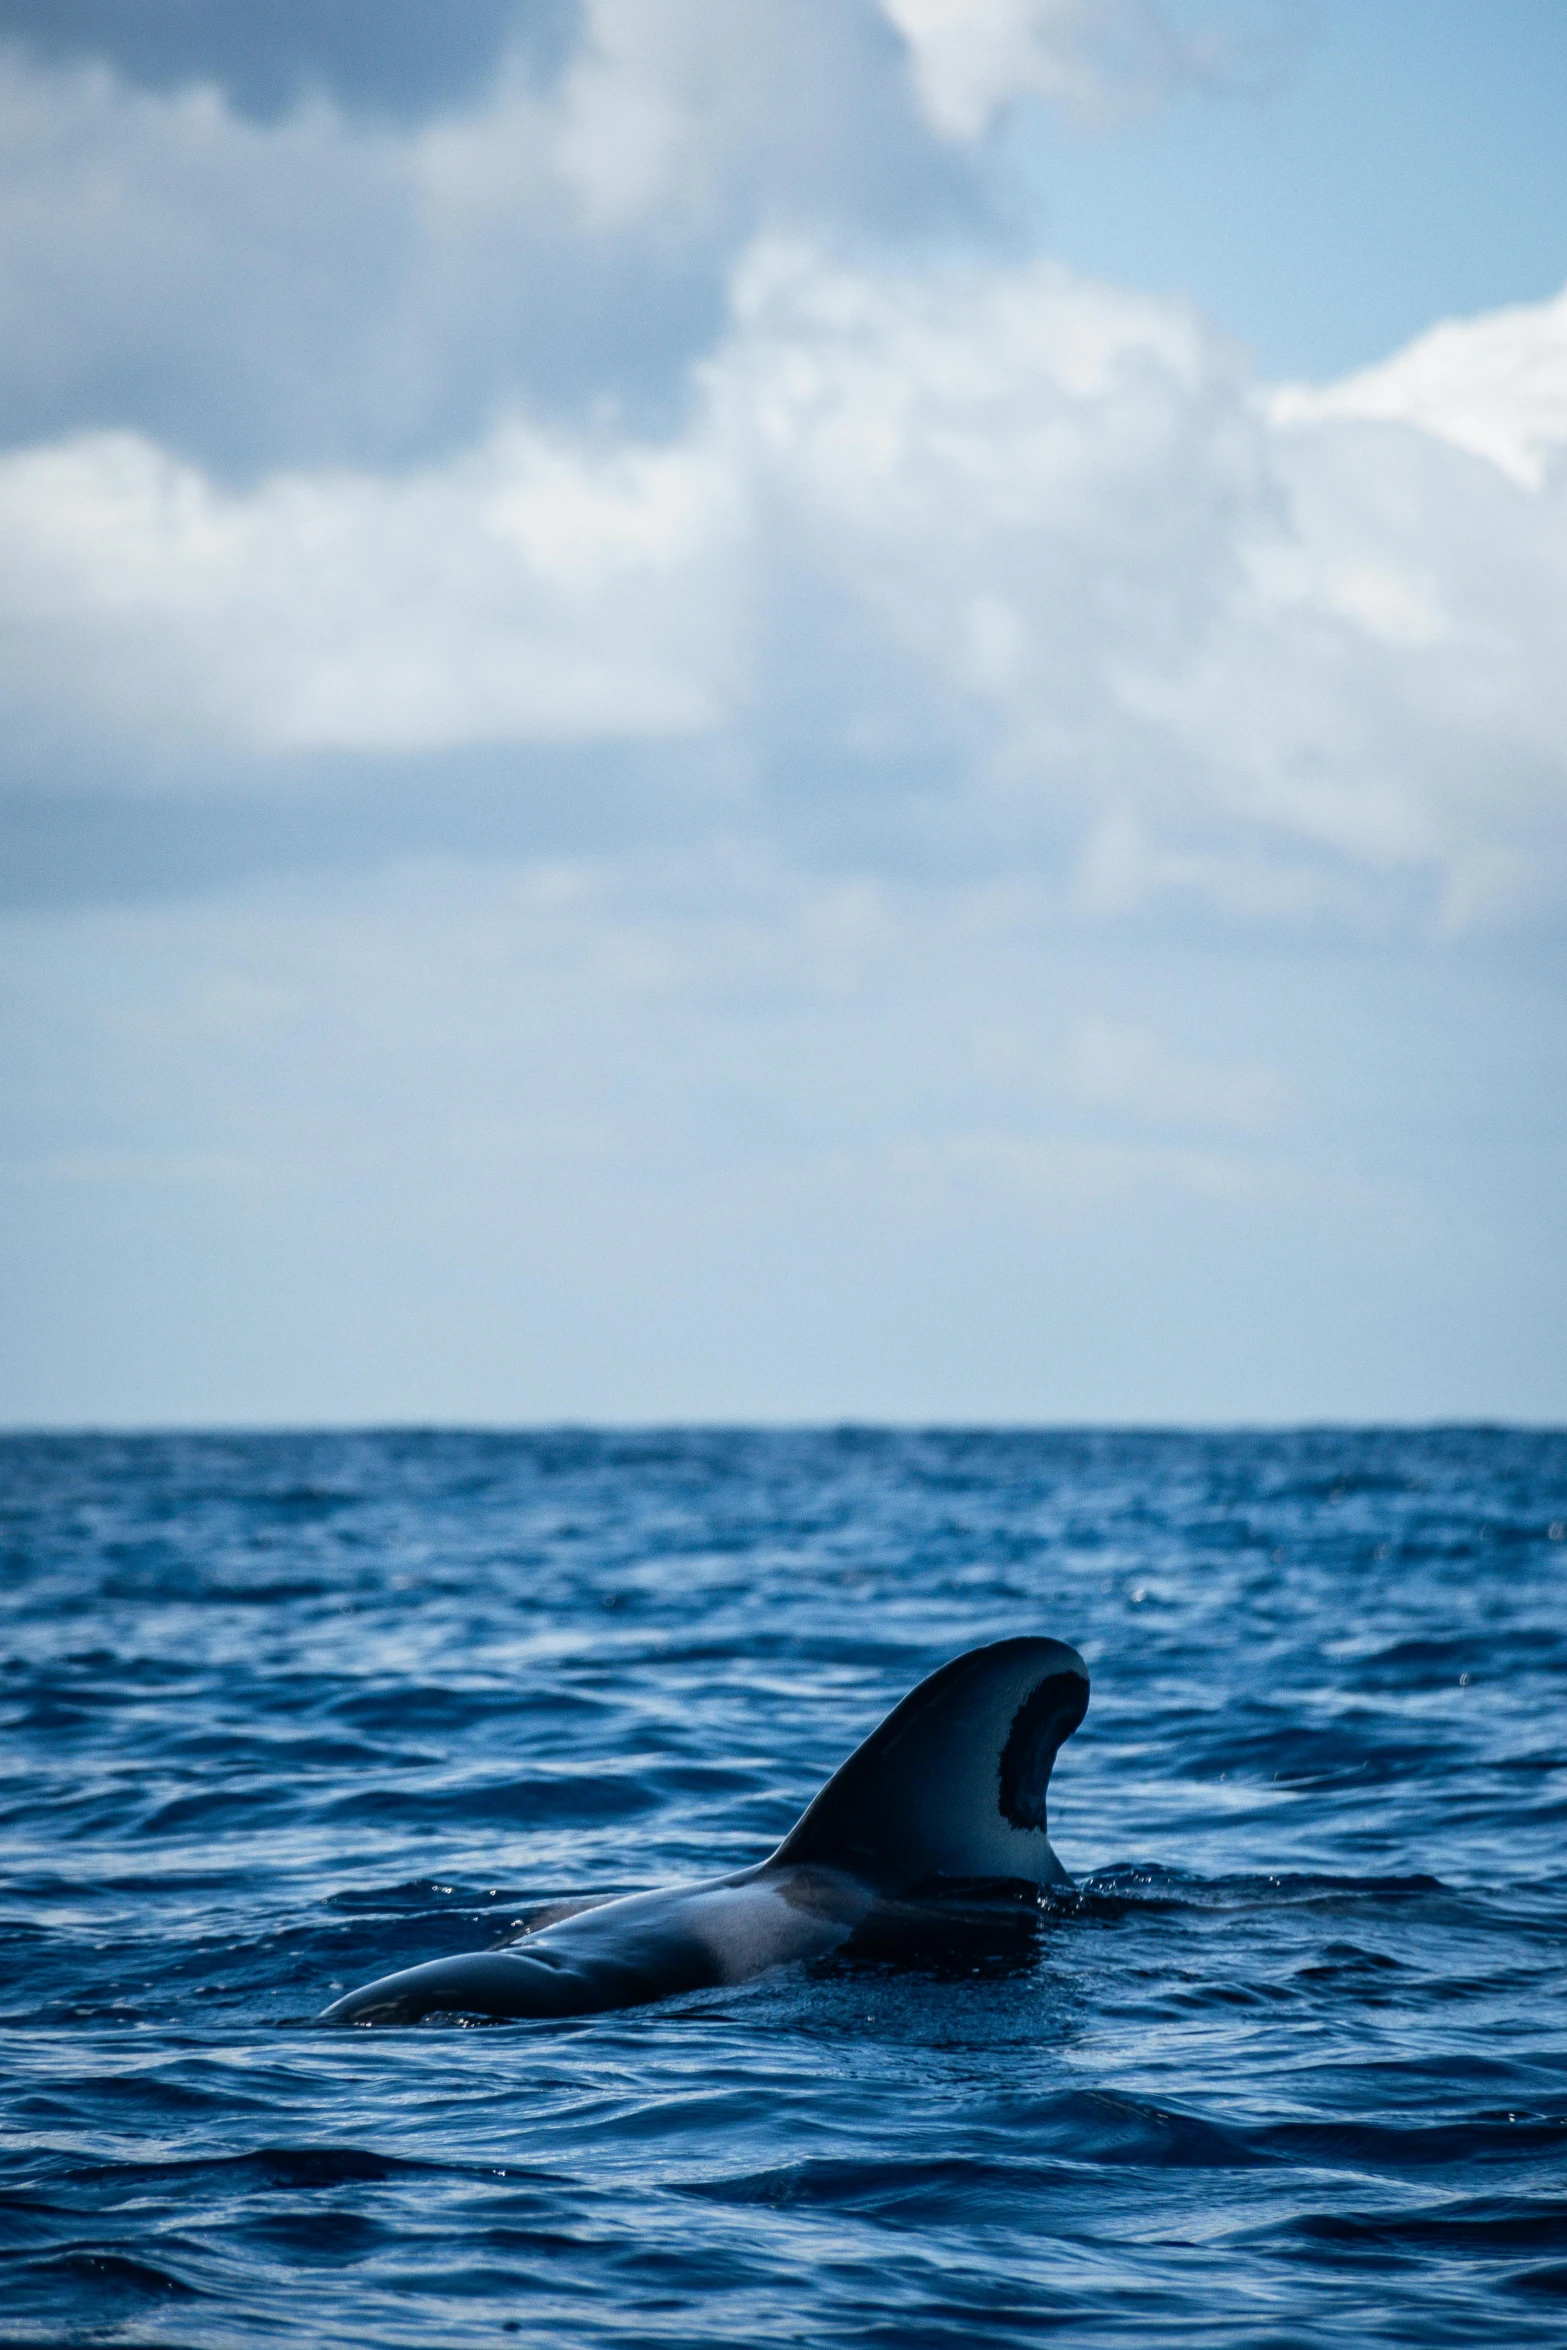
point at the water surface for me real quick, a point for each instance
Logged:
(1289, 2066)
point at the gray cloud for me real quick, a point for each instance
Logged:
(410, 60)
(318, 286)
(357, 234)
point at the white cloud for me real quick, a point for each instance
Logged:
(1496, 386)
(523, 593)
(1094, 60)
(1391, 681)
(1037, 534)
(1036, 542)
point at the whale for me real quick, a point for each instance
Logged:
(945, 1797)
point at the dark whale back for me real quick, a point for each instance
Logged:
(953, 1782)
(952, 1786)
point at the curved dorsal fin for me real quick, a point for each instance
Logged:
(953, 1783)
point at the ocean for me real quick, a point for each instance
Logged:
(1286, 2065)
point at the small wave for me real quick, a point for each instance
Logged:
(1487, 2228)
(572, 1798)
(1132, 1889)
(108, 2275)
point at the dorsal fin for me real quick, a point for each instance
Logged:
(953, 1783)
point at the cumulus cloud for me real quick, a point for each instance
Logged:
(1018, 569)
(520, 594)
(1496, 386)
(1037, 542)
(263, 240)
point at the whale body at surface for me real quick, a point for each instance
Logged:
(949, 1789)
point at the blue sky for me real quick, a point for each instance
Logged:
(722, 711)
(1401, 163)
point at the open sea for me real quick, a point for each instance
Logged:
(1287, 2067)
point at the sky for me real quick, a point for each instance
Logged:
(714, 710)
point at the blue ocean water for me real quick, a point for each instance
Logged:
(1288, 2066)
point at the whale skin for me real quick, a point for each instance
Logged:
(948, 1793)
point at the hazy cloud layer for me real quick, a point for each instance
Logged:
(703, 1136)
